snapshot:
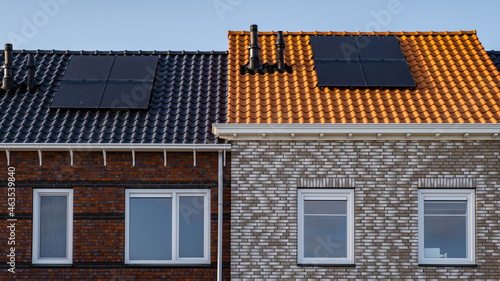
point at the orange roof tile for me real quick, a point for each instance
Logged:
(456, 83)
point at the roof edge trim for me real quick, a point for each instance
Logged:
(400, 33)
(372, 131)
(113, 147)
(123, 52)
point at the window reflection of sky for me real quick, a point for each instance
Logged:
(325, 229)
(150, 228)
(191, 217)
(53, 226)
(445, 227)
(445, 207)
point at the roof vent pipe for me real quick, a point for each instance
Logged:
(254, 62)
(8, 81)
(280, 52)
(31, 73)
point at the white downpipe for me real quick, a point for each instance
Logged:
(220, 218)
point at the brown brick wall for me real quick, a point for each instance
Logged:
(385, 176)
(98, 207)
(89, 166)
(98, 241)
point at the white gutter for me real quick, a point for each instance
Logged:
(220, 218)
(357, 131)
(9, 147)
(111, 147)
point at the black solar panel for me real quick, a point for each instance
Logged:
(339, 74)
(78, 94)
(360, 61)
(378, 47)
(126, 95)
(88, 68)
(107, 82)
(333, 47)
(134, 68)
(387, 74)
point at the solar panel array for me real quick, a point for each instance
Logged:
(360, 61)
(107, 82)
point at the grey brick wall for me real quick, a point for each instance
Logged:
(386, 176)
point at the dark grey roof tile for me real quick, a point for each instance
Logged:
(495, 57)
(188, 95)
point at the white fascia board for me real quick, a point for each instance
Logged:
(357, 131)
(113, 147)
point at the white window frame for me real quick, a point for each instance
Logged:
(174, 194)
(448, 194)
(326, 194)
(37, 194)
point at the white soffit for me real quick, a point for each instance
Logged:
(357, 131)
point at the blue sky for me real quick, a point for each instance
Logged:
(203, 24)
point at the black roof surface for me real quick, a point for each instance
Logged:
(189, 94)
(495, 57)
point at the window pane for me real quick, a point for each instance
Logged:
(191, 226)
(445, 207)
(325, 207)
(445, 237)
(53, 226)
(150, 229)
(325, 236)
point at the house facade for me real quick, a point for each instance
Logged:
(111, 171)
(343, 168)
(296, 155)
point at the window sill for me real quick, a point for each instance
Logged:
(327, 265)
(51, 265)
(200, 265)
(448, 265)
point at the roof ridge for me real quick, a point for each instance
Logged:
(401, 33)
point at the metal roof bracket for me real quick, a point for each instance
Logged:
(133, 156)
(40, 156)
(164, 157)
(194, 154)
(71, 155)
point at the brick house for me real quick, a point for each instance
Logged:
(363, 156)
(117, 174)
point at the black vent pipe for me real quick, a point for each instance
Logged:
(280, 52)
(254, 61)
(8, 80)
